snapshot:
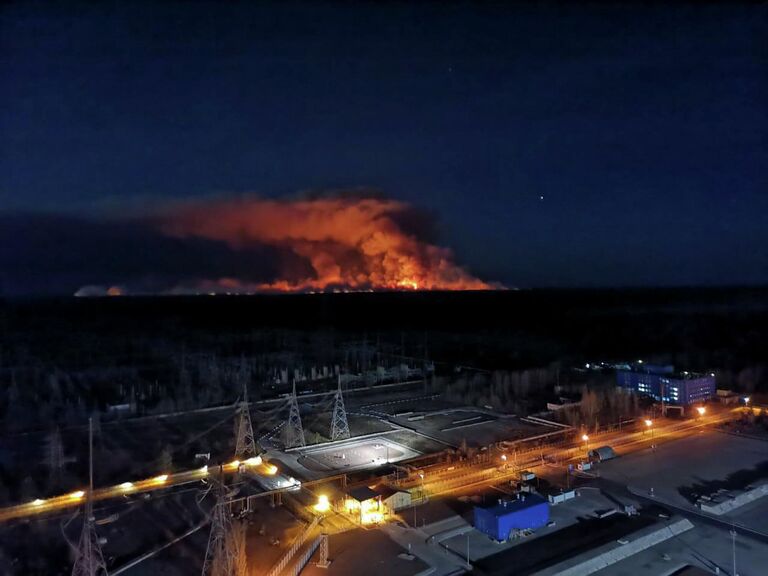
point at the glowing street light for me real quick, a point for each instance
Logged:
(126, 485)
(77, 495)
(701, 410)
(649, 425)
(323, 504)
(37, 502)
(160, 479)
(585, 437)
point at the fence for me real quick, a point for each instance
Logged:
(297, 544)
(304, 558)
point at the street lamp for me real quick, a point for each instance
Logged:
(746, 403)
(649, 425)
(504, 460)
(423, 496)
(701, 410)
(585, 437)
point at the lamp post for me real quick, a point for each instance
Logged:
(469, 566)
(504, 461)
(701, 410)
(585, 437)
(746, 403)
(421, 475)
(649, 426)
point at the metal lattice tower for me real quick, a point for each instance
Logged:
(245, 445)
(225, 555)
(89, 560)
(339, 424)
(294, 432)
(323, 562)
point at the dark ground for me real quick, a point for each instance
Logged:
(691, 327)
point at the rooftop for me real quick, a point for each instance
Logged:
(509, 506)
(362, 493)
(664, 370)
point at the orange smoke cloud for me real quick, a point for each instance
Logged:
(349, 243)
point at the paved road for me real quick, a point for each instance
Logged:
(611, 486)
(455, 479)
(163, 481)
(445, 480)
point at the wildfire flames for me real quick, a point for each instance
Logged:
(348, 243)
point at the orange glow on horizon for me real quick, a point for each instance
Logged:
(344, 243)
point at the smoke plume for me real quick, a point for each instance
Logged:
(349, 243)
(327, 243)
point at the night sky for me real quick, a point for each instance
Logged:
(547, 145)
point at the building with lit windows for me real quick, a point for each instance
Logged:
(663, 383)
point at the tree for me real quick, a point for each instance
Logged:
(590, 405)
(54, 457)
(166, 460)
(27, 489)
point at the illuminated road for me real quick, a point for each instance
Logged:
(455, 479)
(445, 480)
(62, 502)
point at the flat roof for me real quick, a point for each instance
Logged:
(685, 375)
(510, 506)
(362, 493)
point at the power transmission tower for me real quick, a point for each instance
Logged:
(323, 562)
(245, 446)
(89, 560)
(339, 424)
(225, 555)
(294, 432)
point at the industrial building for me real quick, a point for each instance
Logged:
(371, 504)
(664, 384)
(499, 522)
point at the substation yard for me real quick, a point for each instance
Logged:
(352, 455)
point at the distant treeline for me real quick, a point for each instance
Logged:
(61, 360)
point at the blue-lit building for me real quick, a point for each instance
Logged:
(529, 512)
(662, 382)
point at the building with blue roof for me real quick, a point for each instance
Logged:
(528, 512)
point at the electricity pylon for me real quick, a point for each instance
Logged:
(245, 445)
(339, 424)
(89, 560)
(323, 562)
(225, 555)
(294, 432)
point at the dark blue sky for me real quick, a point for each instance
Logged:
(643, 128)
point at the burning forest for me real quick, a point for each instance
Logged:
(243, 245)
(345, 243)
